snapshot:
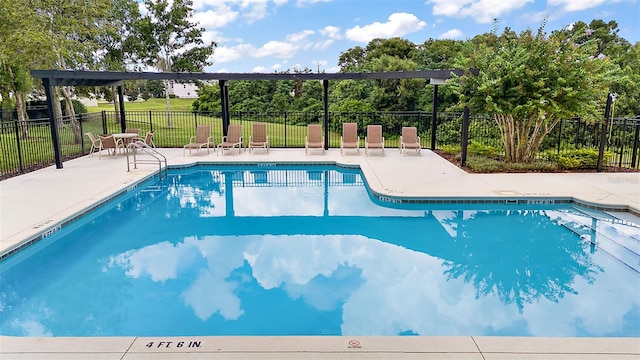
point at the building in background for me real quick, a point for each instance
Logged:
(183, 90)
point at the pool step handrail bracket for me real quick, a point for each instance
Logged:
(157, 158)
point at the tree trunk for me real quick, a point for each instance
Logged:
(522, 138)
(57, 109)
(71, 113)
(166, 99)
(116, 104)
(21, 109)
(21, 106)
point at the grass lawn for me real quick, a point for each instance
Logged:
(149, 105)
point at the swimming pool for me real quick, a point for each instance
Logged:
(289, 250)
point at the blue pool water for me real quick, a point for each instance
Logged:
(292, 250)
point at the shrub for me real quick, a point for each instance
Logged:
(451, 149)
(78, 107)
(483, 164)
(483, 150)
(578, 159)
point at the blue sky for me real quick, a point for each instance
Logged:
(275, 35)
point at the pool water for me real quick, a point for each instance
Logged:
(292, 250)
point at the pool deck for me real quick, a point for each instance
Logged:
(37, 202)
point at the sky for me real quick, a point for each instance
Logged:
(275, 35)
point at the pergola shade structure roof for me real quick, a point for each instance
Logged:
(114, 78)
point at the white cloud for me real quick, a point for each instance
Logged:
(323, 45)
(251, 9)
(220, 17)
(577, 5)
(279, 49)
(300, 36)
(258, 69)
(226, 54)
(398, 24)
(482, 11)
(451, 34)
(305, 2)
(209, 36)
(332, 32)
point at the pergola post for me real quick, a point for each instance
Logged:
(325, 97)
(123, 121)
(224, 102)
(465, 136)
(53, 123)
(603, 133)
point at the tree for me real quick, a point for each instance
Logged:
(155, 88)
(208, 99)
(19, 51)
(394, 94)
(116, 25)
(529, 82)
(167, 39)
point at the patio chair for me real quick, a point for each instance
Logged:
(148, 139)
(350, 138)
(259, 138)
(374, 138)
(95, 143)
(314, 138)
(202, 139)
(109, 143)
(409, 140)
(232, 140)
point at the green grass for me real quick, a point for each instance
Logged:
(149, 105)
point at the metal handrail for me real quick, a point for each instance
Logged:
(159, 159)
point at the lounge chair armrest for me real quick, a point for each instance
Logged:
(192, 139)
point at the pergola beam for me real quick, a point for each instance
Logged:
(108, 78)
(115, 78)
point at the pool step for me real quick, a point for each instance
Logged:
(616, 237)
(624, 247)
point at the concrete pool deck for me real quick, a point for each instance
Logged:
(38, 202)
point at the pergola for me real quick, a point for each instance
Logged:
(115, 78)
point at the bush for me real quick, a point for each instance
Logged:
(483, 150)
(452, 149)
(481, 164)
(578, 159)
(78, 107)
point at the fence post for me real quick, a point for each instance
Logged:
(104, 121)
(81, 134)
(434, 115)
(559, 136)
(285, 129)
(634, 153)
(465, 136)
(16, 122)
(603, 134)
(578, 133)
(621, 141)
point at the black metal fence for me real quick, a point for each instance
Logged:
(20, 153)
(27, 147)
